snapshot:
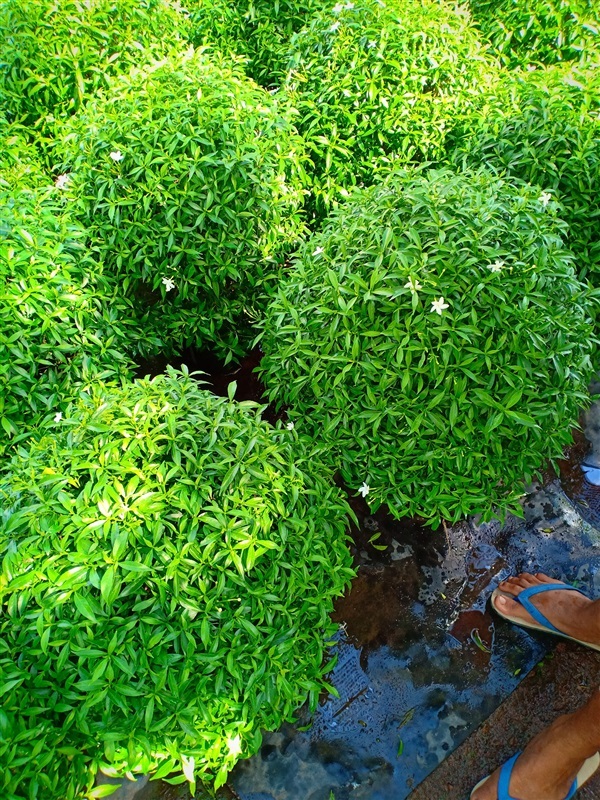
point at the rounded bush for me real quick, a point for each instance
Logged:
(53, 55)
(435, 341)
(61, 327)
(544, 127)
(523, 32)
(377, 83)
(186, 174)
(169, 565)
(257, 30)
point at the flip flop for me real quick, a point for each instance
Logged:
(541, 624)
(585, 773)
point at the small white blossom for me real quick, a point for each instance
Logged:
(338, 8)
(318, 251)
(188, 766)
(57, 417)
(335, 26)
(372, 43)
(117, 155)
(497, 266)
(169, 284)
(349, 6)
(61, 181)
(290, 426)
(438, 306)
(545, 198)
(234, 745)
(413, 285)
(364, 489)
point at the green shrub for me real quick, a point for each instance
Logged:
(55, 53)
(435, 341)
(20, 164)
(169, 564)
(523, 32)
(257, 30)
(60, 324)
(187, 176)
(377, 83)
(544, 127)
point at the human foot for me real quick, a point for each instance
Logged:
(545, 770)
(570, 612)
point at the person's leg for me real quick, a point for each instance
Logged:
(570, 612)
(550, 763)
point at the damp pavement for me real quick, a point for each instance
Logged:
(556, 686)
(421, 661)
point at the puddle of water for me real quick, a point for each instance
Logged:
(421, 661)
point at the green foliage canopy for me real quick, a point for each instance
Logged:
(55, 54)
(257, 30)
(169, 562)
(544, 127)
(20, 163)
(187, 176)
(61, 327)
(435, 342)
(377, 83)
(524, 32)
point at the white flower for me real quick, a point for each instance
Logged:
(169, 284)
(438, 306)
(290, 426)
(496, 266)
(349, 6)
(318, 251)
(413, 285)
(338, 8)
(61, 181)
(545, 198)
(117, 155)
(364, 489)
(234, 745)
(188, 766)
(335, 26)
(372, 43)
(57, 417)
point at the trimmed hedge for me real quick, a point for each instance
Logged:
(544, 127)
(380, 83)
(55, 54)
(61, 326)
(188, 177)
(169, 562)
(435, 342)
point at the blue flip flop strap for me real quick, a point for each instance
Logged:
(506, 775)
(523, 598)
(504, 779)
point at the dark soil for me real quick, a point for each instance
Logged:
(217, 375)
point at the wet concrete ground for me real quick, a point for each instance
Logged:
(559, 685)
(421, 662)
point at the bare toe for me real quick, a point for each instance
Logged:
(508, 607)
